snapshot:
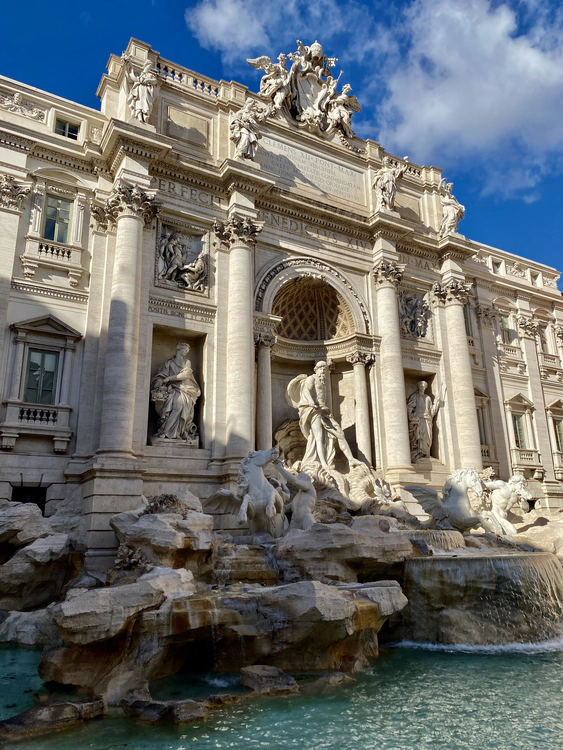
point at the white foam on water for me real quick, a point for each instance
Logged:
(556, 644)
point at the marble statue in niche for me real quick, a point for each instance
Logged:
(452, 210)
(414, 311)
(307, 394)
(421, 412)
(175, 392)
(306, 93)
(177, 266)
(245, 132)
(385, 183)
(143, 89)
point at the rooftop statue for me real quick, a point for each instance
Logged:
(142, 93)
(307, 91)
(452, 210)
(244, 129)
(385, 183)
(453, 510)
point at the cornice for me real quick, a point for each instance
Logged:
(15, 142)
(32, 288)
(62, 159)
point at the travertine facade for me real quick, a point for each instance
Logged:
(267, 237)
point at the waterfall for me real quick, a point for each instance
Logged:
(482, 599)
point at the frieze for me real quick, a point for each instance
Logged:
(420, 263)
(316, 264)
(311, 231)
(422, 355)
(187, 310)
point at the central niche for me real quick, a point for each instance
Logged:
(311, 310)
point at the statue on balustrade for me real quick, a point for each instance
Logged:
(421, 412)
(307, 394)
(452, 210)
(245, 132)
(175, 392)
(142, 93)
(385, 183)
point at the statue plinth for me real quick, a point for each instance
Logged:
(192, 442)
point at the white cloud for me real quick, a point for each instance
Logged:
(473, 87)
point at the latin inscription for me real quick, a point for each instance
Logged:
(188, 193)
(311, 231)
(414, 262)
(309, 170)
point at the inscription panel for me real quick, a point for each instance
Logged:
(307, 170)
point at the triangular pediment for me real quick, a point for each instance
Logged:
(556, 405)
(479, 393)
(518, 399)
(47, 324)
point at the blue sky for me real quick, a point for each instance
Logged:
(472, 86)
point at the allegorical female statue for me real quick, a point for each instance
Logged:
(421, 412)
(175, 392)
(142, 93)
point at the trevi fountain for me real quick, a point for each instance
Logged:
(281, 449)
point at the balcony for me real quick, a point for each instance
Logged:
(524, 458)
(488, 453)
(53, 255)
(38, 420)
(558, 464)
(510, 351)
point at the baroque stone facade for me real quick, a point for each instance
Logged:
(261, 233)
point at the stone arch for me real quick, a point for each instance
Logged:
(279, 273)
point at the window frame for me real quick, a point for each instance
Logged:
(56, 375)
(67, 124)
(67, 240)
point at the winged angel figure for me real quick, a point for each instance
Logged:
(453, 510)
(275, 83)
(258, 501)
(340, 110)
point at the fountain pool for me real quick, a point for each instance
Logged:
(428, 698)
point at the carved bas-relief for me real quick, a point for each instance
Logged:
(421, 412)
(452, 210)
(143, 89)
(385, 183)
(415, 313)
(175, 392)
(306, 93)
(244, 130)
(17, 104)
(177, 265)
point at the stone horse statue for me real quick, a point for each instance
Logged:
(453, 510)
(257, 501)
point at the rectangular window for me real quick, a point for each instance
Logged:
(481, 422)
(57, 219)
(535, 278)
(497, 265)
(542, 337)
(41, 377)
(519, 431)
(467, 318)
(62, 127)
(505, 329)
(559, 434)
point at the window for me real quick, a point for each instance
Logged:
(559, 433)
(37, 495)
(57, 219)
(41, 376)
(497, 266)
(481, 422)
(505, 329)
(62, 127)
(519, 431)
(535, 279)
(542, 338)
(467, 318)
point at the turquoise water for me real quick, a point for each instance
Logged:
(411, 699)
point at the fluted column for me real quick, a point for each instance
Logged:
(131, 208)
(454, 294)
(359, 360)
(393, 395)
(238, 235)
(264, 343)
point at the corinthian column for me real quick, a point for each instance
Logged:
(359, 360)
(131, 208)
(238, 235)
(264, 343)
(393, 396)
(454, 294)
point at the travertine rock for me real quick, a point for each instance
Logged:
(36, 574)
(22, 523)
(340, 553)
(265, 679)
(99, 614)
(50, 718)
(29, 629)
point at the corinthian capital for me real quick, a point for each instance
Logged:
(12, 195)
(528, 326)
(264, 339)
(452, 291)
(365, 358)
(388, 271)
(236, 229)
(132, 200)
